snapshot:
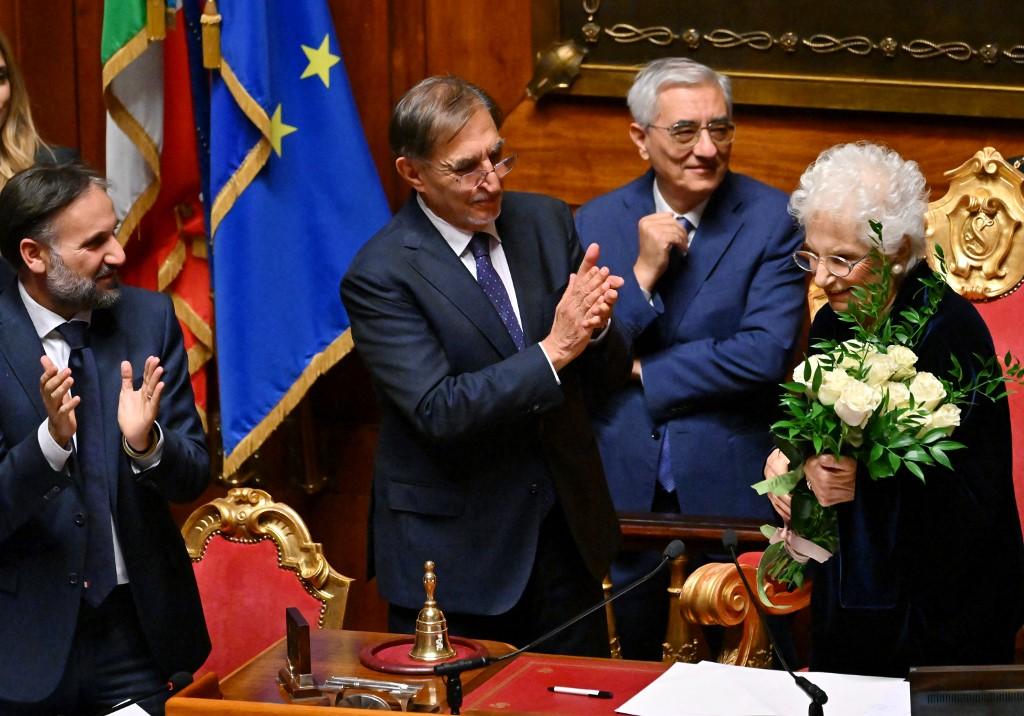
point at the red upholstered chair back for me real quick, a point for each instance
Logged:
(253, 558)
(979, 224)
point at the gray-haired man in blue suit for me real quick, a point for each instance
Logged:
(712, 303)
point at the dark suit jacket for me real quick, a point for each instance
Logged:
(42, 544)
(477, 441)
(713, 347)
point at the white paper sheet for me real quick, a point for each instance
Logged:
(710, 689)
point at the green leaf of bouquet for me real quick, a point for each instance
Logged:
(793, 387)
(780, 484)
(947, 445)
(941, 458)
(915, 469)
(768, 530)
(894, 461)
(771, 557)
(876, 453)
(916, 454)
(816, 442)
(790, 449)
(902, 441)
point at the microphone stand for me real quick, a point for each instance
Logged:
(451, 672)
(814, 692)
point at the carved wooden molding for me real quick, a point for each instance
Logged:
(250, 515)
(978, 224)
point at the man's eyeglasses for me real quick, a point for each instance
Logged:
(472, 179)
(835, 265)
(687, 134)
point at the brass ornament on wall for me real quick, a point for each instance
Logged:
(978, 224)
(555, 68)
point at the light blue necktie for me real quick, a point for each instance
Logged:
(665, 477)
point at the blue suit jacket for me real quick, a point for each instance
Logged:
(42, 535)
(713, 346)
(477, 441)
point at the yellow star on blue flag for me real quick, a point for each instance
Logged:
(320, 61)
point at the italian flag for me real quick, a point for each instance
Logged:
(153, 166)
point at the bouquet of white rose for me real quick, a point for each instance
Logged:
(863, 398)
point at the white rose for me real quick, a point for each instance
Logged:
(927, 390)
(857, 402)
(899, 395)
(879, 367)
(946, 418)
(832, 383)
(804, 373)
(905, 361)
(855, 354)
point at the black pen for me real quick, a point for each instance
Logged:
(592, 693)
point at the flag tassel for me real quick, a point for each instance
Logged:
(210, 21)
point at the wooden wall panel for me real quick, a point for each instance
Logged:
(576, 149)
(44, 46)
(91, 114)
(486, 43)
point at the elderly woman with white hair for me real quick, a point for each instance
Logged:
(926, 572)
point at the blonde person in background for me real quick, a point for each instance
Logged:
(20, 144)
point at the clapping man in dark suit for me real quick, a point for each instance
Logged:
(484, 326)
(712, 303)
(98, 432)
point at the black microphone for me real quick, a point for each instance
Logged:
(814, 692)
(178, 680)
(451, 670)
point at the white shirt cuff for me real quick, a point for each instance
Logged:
(55, 455)
(550, 364)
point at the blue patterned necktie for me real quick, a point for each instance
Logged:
(665, 477)
(89, 464)
(688, 227)
(491, 283)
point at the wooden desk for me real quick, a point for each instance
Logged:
(253, 688)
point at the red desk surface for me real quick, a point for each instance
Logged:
(522, 686)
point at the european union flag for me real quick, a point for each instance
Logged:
(295, 194)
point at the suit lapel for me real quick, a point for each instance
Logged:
(524, 261)
(21, 346)
(718, 228)
(433, 259)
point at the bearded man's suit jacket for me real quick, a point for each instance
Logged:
(43, 513)
(714, 343)
(477, 441)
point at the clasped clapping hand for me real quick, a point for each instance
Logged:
(585, 307)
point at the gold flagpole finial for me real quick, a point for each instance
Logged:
(210, 21)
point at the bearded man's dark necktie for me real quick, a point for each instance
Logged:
(90, 464)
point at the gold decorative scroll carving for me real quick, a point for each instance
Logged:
(715, 595)
(978, 224)
(249, 515)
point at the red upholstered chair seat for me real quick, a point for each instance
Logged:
(253, 558)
